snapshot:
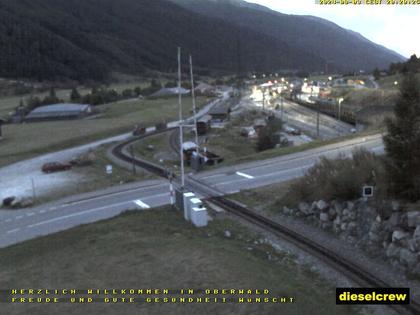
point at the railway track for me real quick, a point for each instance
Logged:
(351, 270)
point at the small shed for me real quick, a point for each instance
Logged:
(220, 113)
(59, 112)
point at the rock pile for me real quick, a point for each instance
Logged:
(395, 236)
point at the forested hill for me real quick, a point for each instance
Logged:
(59, 39)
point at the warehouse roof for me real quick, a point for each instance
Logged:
(59, 111)
(61, 108)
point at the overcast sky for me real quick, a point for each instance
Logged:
(395, 27)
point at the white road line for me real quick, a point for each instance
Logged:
(141, 204)
(19, 217)
(30, 214)
(8, 220)
(42, 211)
(244, 175)
(13, 231)
(75, 214)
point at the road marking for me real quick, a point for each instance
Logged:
(244, 175)
(42, 211)
(141, 204)
(30, 214)
(52, 208)
(19, 217)
(13, 231)
(75, 214)
(8, 220)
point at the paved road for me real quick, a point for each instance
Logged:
(20, 225)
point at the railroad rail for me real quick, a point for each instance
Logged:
(350, 269)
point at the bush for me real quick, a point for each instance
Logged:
(341, 178)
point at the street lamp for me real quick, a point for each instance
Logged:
(396, 83)
(340, 100)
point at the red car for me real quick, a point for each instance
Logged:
(55, 167)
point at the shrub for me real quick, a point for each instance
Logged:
(341, 178)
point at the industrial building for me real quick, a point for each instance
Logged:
(59, 112)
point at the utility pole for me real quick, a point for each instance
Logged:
(181, 135)
(317, 120)
(194, 104)
(282, 107)
(263, 92)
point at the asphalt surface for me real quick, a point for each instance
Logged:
(19, 225)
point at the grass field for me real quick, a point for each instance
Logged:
(21, 141)
(158, 249)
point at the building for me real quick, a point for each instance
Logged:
(59, 112)
(168, 92)
(220, 113)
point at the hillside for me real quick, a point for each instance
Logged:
(344, 50)
(70, 39)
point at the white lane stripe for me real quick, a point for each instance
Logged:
(244, 175)
(30, 214)
(19, 217)
(141, 204)
(8, 220)
(42, 211)
(13, 231)
(75, 214)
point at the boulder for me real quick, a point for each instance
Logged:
(414, 245)
(227, 234)
(286, 210)
(332, 212)
(399, 235)
(413, 218)
(324, 217)
(350, 206)
(395, 219)
(395, 206)
(338, 206)
(351, 226)
(373, 237)
(321, 205)
(417, 232)
(393, 251)
(305, 209)
(343, 226)
(408, 258)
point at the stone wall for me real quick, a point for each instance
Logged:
(393, 235)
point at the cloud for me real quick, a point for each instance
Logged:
(395, 27)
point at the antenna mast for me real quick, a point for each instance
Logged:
(194, 104)
(181, 136)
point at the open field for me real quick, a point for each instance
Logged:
(23, 141)
(158, 249)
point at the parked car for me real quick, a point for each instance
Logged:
(55, 167)
(138, 131)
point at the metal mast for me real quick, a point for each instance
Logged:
(194, 104)
(181, 135)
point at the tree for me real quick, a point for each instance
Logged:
(376, 74)
(402, 143)
(75, 95)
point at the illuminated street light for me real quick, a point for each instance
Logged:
(340, 100)
(329, 78)
(396, 83)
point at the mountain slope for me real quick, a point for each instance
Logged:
(61, 39)
(343, 49)
(50, 39)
